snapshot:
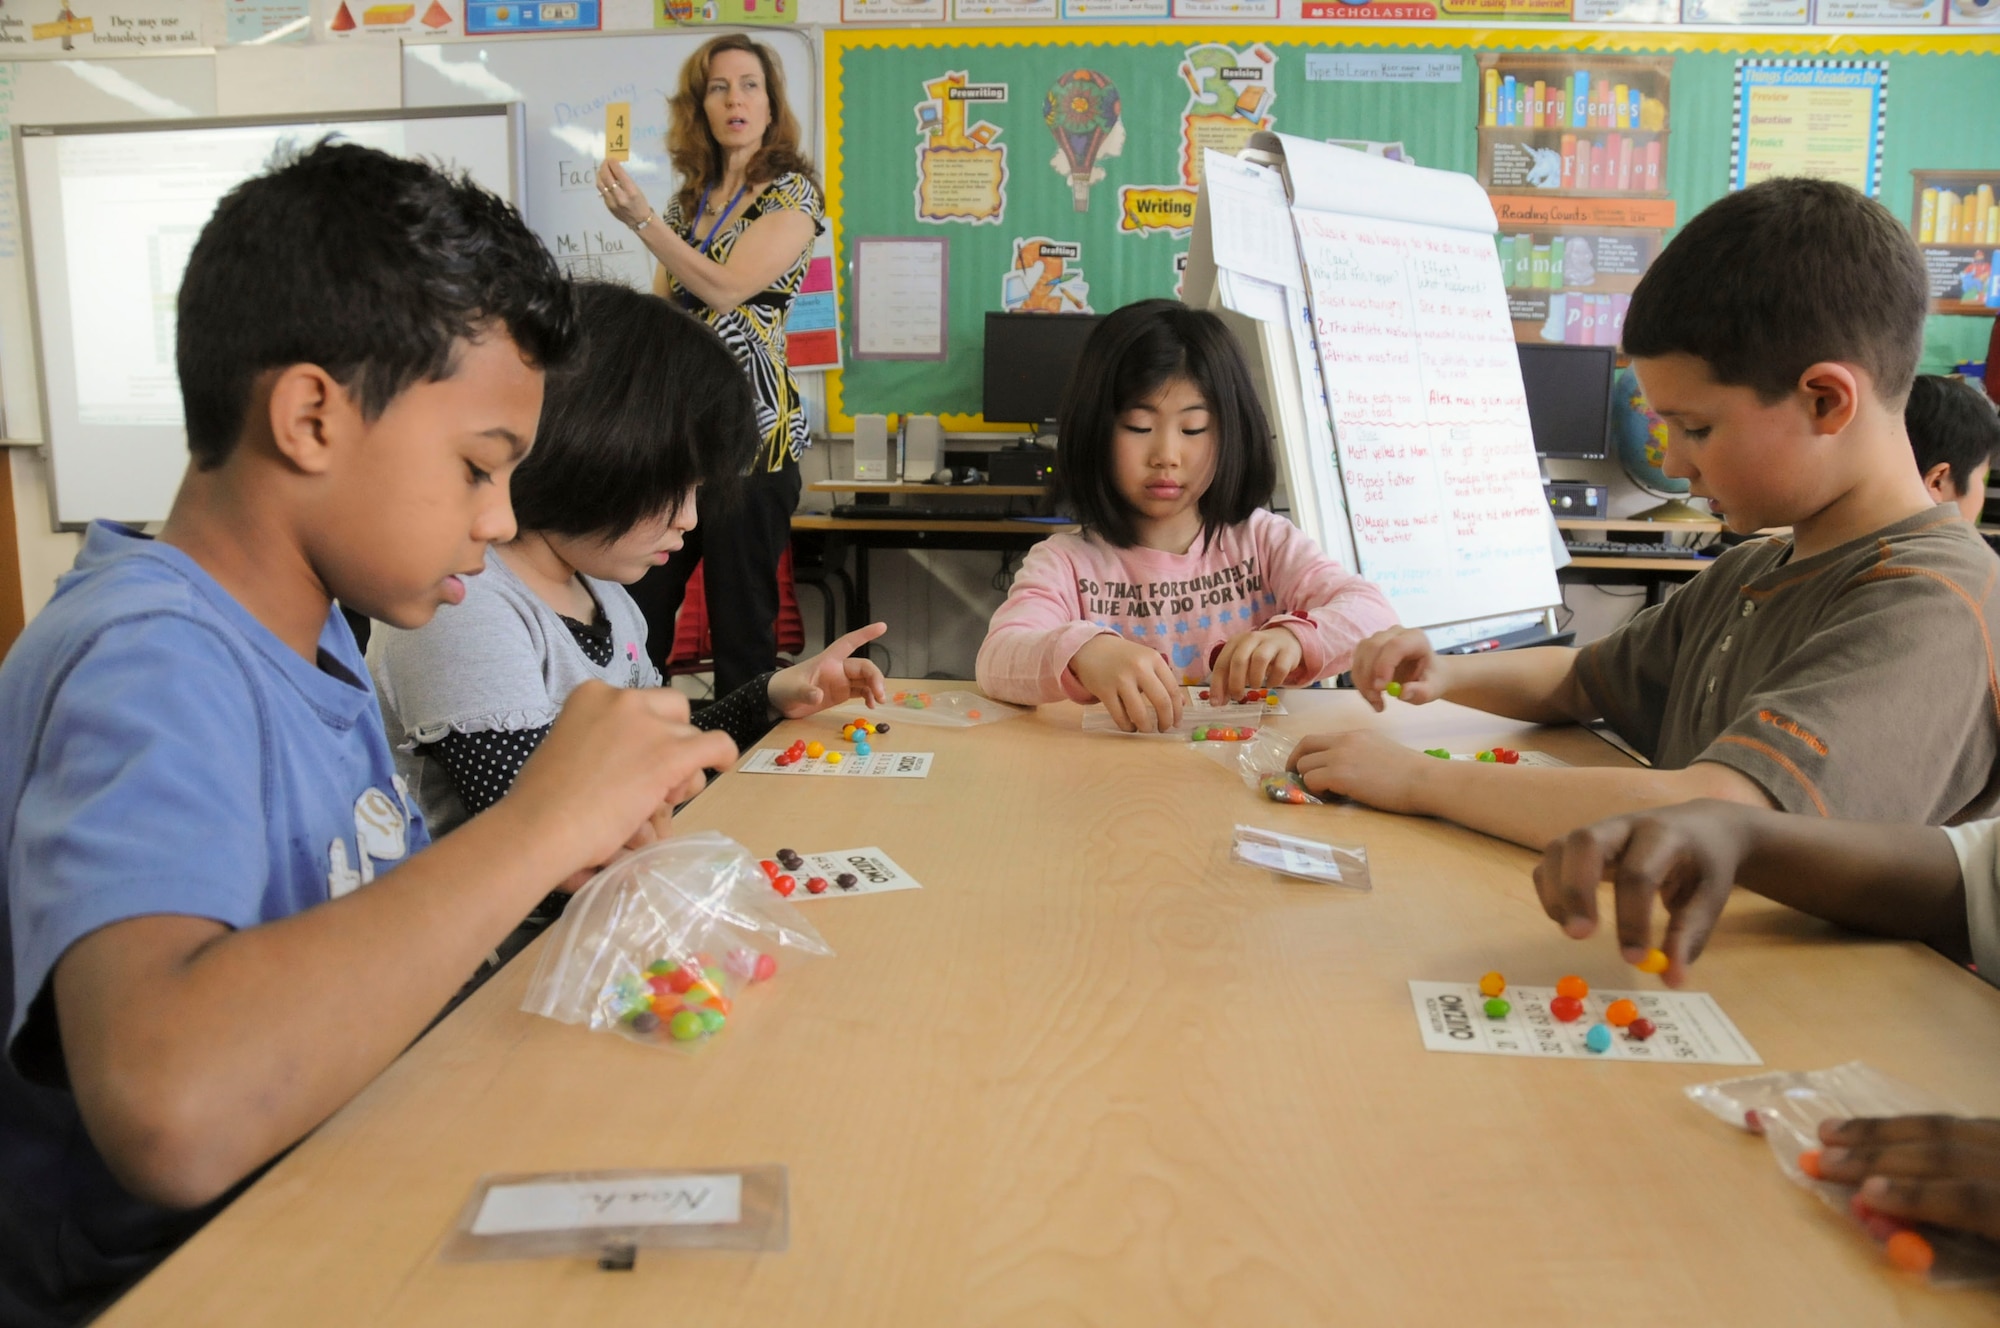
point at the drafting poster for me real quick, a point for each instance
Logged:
(1046, 277)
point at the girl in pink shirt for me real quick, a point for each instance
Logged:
(1180, 573)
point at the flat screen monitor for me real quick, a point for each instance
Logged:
(1569, 399)
(1028, 363)
(111, 213)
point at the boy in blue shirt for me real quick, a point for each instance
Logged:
(222, 917)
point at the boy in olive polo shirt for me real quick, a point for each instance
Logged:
(1844, 670)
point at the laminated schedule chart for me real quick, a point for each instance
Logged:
(1690, 1028)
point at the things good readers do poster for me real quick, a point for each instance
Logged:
(1062, 176)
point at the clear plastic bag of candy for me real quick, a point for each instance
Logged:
(661, 945)
(1305, 859)
(955, 709)
(1217, 725)
(1786, 1108)
(1262, 762)
(1202, 698)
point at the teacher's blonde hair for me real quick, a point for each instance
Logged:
(691, 145)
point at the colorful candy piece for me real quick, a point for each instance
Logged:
(1204, 696)
(833, 758)
(741, 963)
(767, 968)
(1620, 1013)
(711, 1020)
(1566, 1008)
(815, 750)
(645, 1022)
(1573, 987)
(863, 749)
(1438, 752)
(816, 885)
(770, 868)
(788, 856)
(659, 966)
(847, 880)
(970, 714)
(681, 979)
(1271, 701)
(1200, 735)
(685, 1026)
(1492, 984)
(1394, 689)
(1497, 1008)
(1910, 1252)
(1246, 734)
(784, 885)
(1487, 756)
(1598, 1039)
(1654, 962)
(899, 696)
(1642, 1028)
(1809, 1163)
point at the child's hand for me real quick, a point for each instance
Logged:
(1363, 766)
(1688, 856)
(1403, 655)
(613, 757)
(1137, 688)
(1255, 659)
(1942, 1169)
(829, 678)
(651, 830)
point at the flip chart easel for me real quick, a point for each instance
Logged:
(1368, 293)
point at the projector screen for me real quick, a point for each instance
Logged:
(111, 213)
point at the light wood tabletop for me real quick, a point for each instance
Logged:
(1095, 1073)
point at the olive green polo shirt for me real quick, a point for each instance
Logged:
(1858, 683)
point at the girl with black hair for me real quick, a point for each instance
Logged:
(1181, 573)
(651, 410)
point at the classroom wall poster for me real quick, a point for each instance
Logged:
(735, 13)
(1878, 13)
(1955, 216)
(1541, 10)
(1751, 13)
(1625, 11)
(961, 167)
(1230, 93)
(1097, 10)
(266, 22)
(1004, 11)
(1082, 113)
(812, 326)
(492, 17)
(349, 20)
(69, 28)
(892, 11)
(1227, 10)
(1046, 278)
(1973, 12)
(1822, 118)
(1369, 11)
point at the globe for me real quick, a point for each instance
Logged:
(1639, 438)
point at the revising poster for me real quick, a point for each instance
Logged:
(1821, 118)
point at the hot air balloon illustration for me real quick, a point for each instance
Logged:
(1082, 112)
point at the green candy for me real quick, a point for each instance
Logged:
(1394, 689)
(661, 967)
(1488, 756)
(711, 1020)
(1497, 1008)
(714, 975)
(685, 1026)
(1200, 735)
(1438, 752)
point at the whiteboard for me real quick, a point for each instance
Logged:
(110, 215)
(564, 84)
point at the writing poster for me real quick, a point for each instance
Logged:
(961, 165)
(1821, 118)
(1430, 420)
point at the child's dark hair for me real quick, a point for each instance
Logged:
(652, 404)
(1767, 282)
(372, 267)
(1131, 355)
(1950, 421)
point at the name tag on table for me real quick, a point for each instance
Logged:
(614, 1214)
(874, 873)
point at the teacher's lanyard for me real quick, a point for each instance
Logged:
(702, 206)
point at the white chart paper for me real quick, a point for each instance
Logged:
(899, 309)
(875, 765)
(1691, 1027)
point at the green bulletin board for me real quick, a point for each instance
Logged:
(1944, 94)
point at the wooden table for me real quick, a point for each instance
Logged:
(1093, 1073)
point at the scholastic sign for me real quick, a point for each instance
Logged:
(1370, 11)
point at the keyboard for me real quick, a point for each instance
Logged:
(912, 512)
(1621, 549)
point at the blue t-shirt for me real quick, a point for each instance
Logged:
(161, 752)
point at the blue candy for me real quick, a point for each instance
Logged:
(1598, 1039)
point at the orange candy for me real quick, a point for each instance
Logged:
(1573, 987)
(1910, 1252)
(1620, 1013)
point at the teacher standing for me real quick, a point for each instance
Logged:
(732, 250)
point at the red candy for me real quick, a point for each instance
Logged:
(1566, 1008)
(784, 885)
(816, 885)
(1642, 1028)
(681, 979)
(767, 968)
(770, 869)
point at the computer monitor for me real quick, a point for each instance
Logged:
(1569, 399)
(1028, 363)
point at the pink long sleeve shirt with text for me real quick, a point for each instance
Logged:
(1262, 573)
